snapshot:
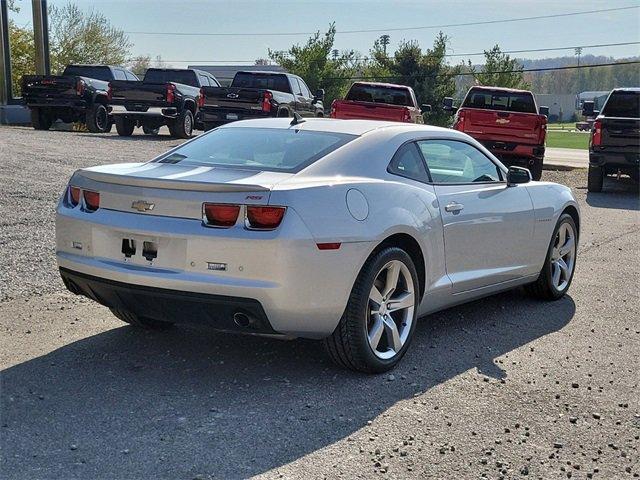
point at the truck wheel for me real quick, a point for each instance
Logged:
(150, 131)
(40, 120)
(97, 119)
(124, 126)
(140, 322)
(595, 179)
(182, 127)
(536, 169)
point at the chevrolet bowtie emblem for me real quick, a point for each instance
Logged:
(502, 120)
(142, 206)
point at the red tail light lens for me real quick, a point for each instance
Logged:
(266, 101)
(264, 218)
(80, 87)
(201, 98)
(596, 133)
(171, 95)
(406, 115)
(74, 196)
(109, 93)
(91, 200)
(333, 109)
(221, 215)
(458, 122)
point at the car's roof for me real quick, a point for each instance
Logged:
(499, 89)
(383, 84)
(350, 127)
(627, 89)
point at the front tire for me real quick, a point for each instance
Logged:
(140, 322)
(150, 130)
(124, 126)
(40, 120)
(182, 126)
(595, 179)
(97, 119)
(557, 272)
(380, 319)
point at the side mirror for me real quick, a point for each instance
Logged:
(517, 175)
(543, 111)
(425, 108)
(319, 94)
(447, 105)
(588, 108)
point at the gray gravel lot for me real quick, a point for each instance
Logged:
(506, 387)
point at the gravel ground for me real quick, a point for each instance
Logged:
(506, 387)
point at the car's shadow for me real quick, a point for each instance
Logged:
(187, 402)
(620, 194)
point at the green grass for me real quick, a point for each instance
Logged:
(562, 126)
(577, 140)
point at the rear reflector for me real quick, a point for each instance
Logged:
(220, 215)
(91, 200)
(74, 196)
(264, 218)
(328, 246)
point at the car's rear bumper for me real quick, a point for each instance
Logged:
(174, 306)
(166, 112)
(619, 158)
(55, 102)
(219, 116)
(512, 150)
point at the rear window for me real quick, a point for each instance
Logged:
(500, 100)
(380, 94)
(623, 104)
(99, 73)
(286, 150)
(186, 77)
(261, 80)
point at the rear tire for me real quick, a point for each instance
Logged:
(357, 343)
(140, 322)
(124, 126)
(595, 179)
(40, 120)
(536, 169)
(97, 119)
(182, 126)
(560, 261)
(150, 131)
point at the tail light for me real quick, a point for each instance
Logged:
(201, 98)
(333, 109)
(266, 102)
(80, 87)
(91, 200)
(109, 92)
(220, 215)
(73, 196)
(406, 115)
(458, 121)
(542, 126)
(264, 218)
(171, 92)
(596, 133)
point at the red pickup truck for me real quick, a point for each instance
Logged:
(379, 101)
(506, 121)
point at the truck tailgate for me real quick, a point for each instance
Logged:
(620, 132)
(233, 97)
(349, 109)
(132, 92)
(49, 85)
(501, 125)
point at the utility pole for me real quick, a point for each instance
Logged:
(578, 52)
(384, 41)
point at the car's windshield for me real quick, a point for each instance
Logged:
(500, 100)
(380, 94)
(99, 73)
(186, 77)
(266, 81)
(623, 104)
(286, 150)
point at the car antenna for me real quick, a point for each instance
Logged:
(296, 119)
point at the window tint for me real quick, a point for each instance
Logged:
(99, 73)
(360, 92)
(261, 80)
(623, 104)
(119, 75)
(450, 161)
(272, 149)
(130, 76)
(500, 100)
(186, 77)
(407, 162)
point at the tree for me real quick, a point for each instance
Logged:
(140, 64)
(262, 61)
(78, 37)
(499, 70)
(314, 62)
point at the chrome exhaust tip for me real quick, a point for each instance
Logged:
(242, 319)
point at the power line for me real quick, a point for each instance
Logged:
(374, 30)
(446, 55)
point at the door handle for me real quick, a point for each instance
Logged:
(453, 207)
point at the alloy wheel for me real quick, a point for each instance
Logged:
(563, 255)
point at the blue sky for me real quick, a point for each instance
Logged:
(243, 16)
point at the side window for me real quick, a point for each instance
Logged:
(204, 80)
(119, 74)
(130, 76)
(450, 161)
(305, 90)
(295, 85)
(213, 82)
(408, 163)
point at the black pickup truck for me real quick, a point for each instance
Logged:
(165, 96)
(78, 95)
(614, 146)
(257, 94)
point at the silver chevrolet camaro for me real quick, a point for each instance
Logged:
(341, 230)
